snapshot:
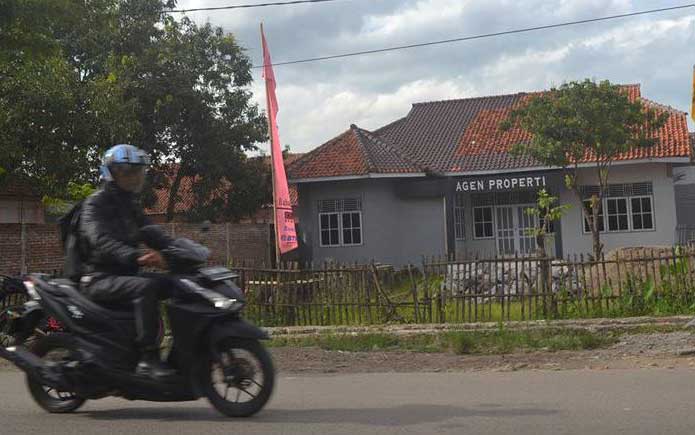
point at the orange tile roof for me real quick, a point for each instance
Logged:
(458, 136)
(186, 198)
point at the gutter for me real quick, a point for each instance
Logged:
(478, 173)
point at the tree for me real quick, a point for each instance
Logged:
(584, 123)
(82, 76)
(57, 108)
(546, 212)
(196, 112)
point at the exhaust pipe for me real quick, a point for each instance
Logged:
(34, 366)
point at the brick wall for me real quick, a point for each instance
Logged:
(43, 251)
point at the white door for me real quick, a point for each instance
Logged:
(506, 230)
(526, 222)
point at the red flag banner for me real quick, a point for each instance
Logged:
(692, 105)
(285, 231)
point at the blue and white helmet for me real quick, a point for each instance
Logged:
(122, 154)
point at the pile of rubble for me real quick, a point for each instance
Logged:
(507, 278)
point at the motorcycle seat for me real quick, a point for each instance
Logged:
(63, 287)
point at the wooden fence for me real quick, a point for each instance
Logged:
(628, 282)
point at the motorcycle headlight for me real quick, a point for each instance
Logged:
(217, 300)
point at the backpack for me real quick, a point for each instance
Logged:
(69, 226)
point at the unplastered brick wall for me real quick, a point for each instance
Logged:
(38, 247)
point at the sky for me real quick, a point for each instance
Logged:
(320, 100)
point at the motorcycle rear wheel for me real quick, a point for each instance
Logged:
(55, 347)
(242, 369)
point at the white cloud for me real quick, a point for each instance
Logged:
(320, 100)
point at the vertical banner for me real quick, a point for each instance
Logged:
(692, 103)
(285, 232)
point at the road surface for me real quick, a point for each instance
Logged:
(642, 401)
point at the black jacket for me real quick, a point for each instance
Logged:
(110, 223)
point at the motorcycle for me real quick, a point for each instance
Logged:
(216, 353)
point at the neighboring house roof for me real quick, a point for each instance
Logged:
(186, 196)
(457, 136)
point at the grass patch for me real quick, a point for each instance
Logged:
(501, 341)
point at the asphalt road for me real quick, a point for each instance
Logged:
(646, 401)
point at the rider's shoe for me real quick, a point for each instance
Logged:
(152, 367)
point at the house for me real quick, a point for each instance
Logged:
(157, 212)
(20, 203)
(442, 180)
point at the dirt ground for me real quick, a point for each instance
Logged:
(665, 350)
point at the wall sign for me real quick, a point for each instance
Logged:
(500, 184)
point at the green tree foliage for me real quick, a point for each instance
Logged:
(585, 122)
(546, 212)
(77, 77)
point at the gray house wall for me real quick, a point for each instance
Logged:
(402, 220)
(685, 194)
(470, 247)
(395, 230)
(574, 239)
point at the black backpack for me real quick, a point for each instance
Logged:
(69, 225)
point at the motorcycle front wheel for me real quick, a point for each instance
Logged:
(239, 379)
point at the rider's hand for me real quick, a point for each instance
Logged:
(152, 259)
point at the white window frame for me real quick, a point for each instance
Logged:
(342, 229)
(492, 222)
(630, 222)
(321, 230)
(606, 215)
(585, 218)
(651, 201)
(459, 217)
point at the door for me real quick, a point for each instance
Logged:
(513, 226)
(506, 230)
(526, 222)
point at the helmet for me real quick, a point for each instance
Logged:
(125, 165)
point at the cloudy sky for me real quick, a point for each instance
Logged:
(320, 100)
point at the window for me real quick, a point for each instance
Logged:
(642, 216)
(330, 231)
(459, 221)
(483, 223)
(352, 228)
(340, 222)
(587, 211)
(629, 207)
(617, 214)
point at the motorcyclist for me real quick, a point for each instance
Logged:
(110, 223)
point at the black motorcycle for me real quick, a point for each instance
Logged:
(216, 353)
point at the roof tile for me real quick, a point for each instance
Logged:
(458, 136)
